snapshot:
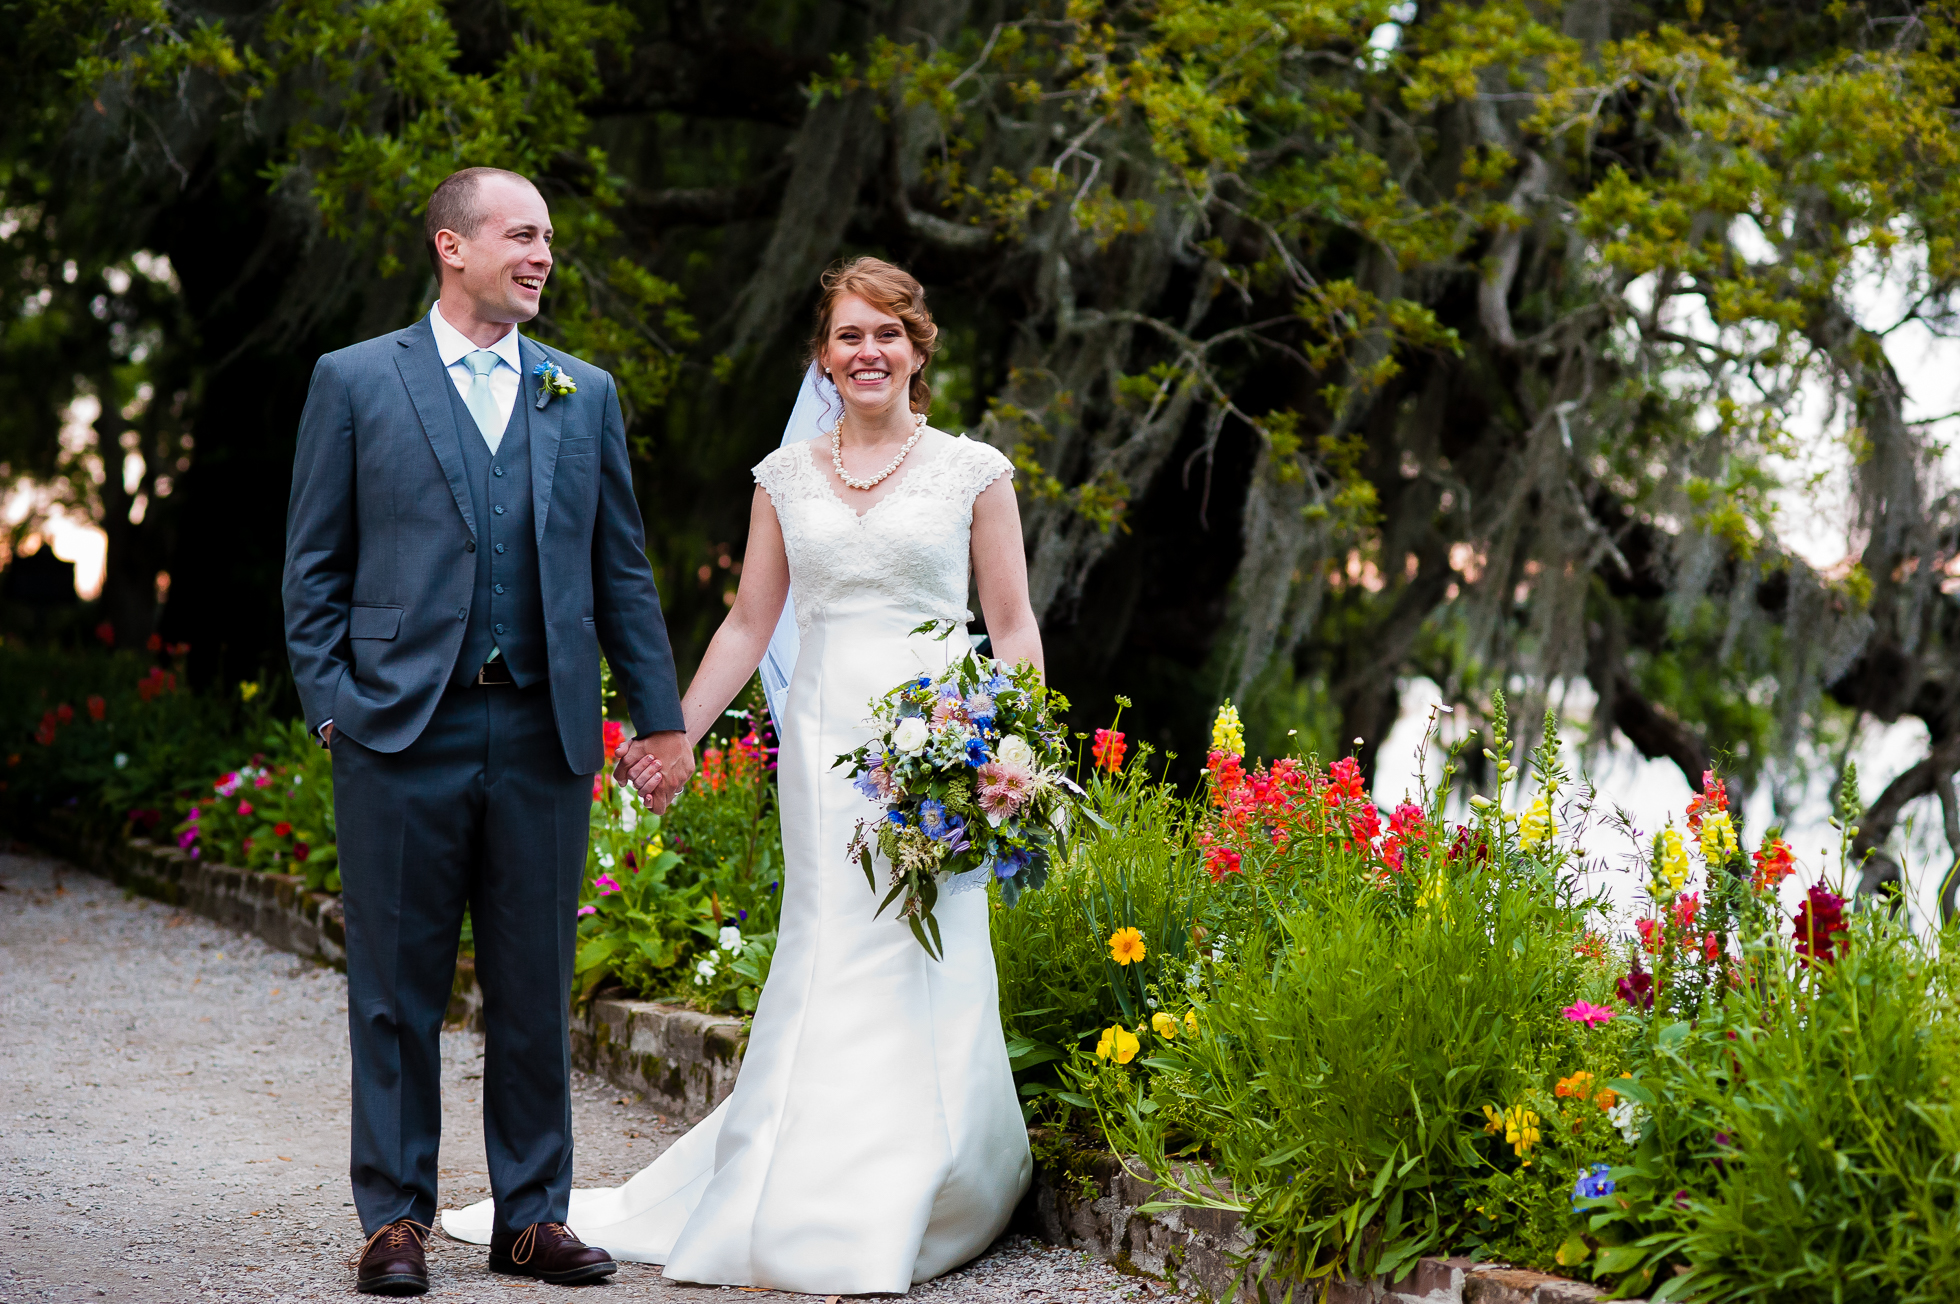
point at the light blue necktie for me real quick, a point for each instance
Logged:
(481, 403)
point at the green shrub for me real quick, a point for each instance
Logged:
(685, 907)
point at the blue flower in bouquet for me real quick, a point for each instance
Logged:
(976, 752)
(938, 822)
(895, 817)
(1010, 863)
(980, 710)
(867, 785)
(997, 684)
(1592, 1184)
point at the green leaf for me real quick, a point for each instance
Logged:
(1573, 1251)
(1617, 1258)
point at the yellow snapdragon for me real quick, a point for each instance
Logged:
(1227, 733)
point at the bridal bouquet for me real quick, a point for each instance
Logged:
(969, 767)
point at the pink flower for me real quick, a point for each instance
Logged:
(1587, 1013)
(263, 781)
(946, 711)
(1004, 787)
(583, 911)
(244, 808)
(605, 884)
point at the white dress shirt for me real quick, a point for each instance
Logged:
(453, 346)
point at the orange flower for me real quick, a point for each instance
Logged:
(1577, 1087)
(1126, 946)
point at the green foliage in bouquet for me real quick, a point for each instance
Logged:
(969, 764)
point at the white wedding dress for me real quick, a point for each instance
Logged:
(873, 1138)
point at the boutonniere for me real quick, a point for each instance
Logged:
(552, 379)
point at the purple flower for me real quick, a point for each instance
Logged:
(583, 911)
(1593, 1183)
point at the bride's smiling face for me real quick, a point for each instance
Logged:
(868, 356)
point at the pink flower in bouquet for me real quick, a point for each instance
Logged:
(1004, 787)
(881, 779)
(947, 710)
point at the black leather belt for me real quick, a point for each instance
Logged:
(493, 673)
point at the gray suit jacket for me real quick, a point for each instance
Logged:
(381, 536)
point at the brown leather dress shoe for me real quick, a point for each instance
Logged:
(549, 1252)
(393, 1262)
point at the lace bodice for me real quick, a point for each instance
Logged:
(911, 548)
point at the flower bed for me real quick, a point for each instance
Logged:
(1386, 1039)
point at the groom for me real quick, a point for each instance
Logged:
(462, 542)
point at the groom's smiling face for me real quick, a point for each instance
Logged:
(502, 266)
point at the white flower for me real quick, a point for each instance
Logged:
(605, 860)
(704, 969)
(1014, 750)
(911, 735)
(122, 759)
(1628, 1118)
(731, 938)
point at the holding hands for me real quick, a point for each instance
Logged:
(658, 766)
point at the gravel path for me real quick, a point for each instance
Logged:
(174, 1125)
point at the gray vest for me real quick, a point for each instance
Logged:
(507, 608)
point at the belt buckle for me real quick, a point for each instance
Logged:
(484, 681)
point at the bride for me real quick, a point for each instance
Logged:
(873, 1138)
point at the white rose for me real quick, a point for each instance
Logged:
(1014, 750)
(910, 735)
(731, 938)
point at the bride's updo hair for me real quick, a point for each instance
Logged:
(889, 288)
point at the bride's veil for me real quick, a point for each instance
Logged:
(816, 402)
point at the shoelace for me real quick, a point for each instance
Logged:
(527, 1240)
(399, 1233)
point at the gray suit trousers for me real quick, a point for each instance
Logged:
(481, 809)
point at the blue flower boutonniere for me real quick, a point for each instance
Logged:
(552, 379)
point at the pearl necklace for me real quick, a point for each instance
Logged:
(837, 453)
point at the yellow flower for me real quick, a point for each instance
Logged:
(1163, 1025)
(654, 849)
(1191, 1022)
(1674, 859)
(1717, 838)
(1227, 734)
(1520, 1129)
(1538, 826)
(1518, 1124)
(1126, 946)
(248, 689)
(1118, 1043)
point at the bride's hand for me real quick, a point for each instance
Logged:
(645, 777)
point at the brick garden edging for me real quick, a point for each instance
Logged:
(685, 1062)
(1087, 1200)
